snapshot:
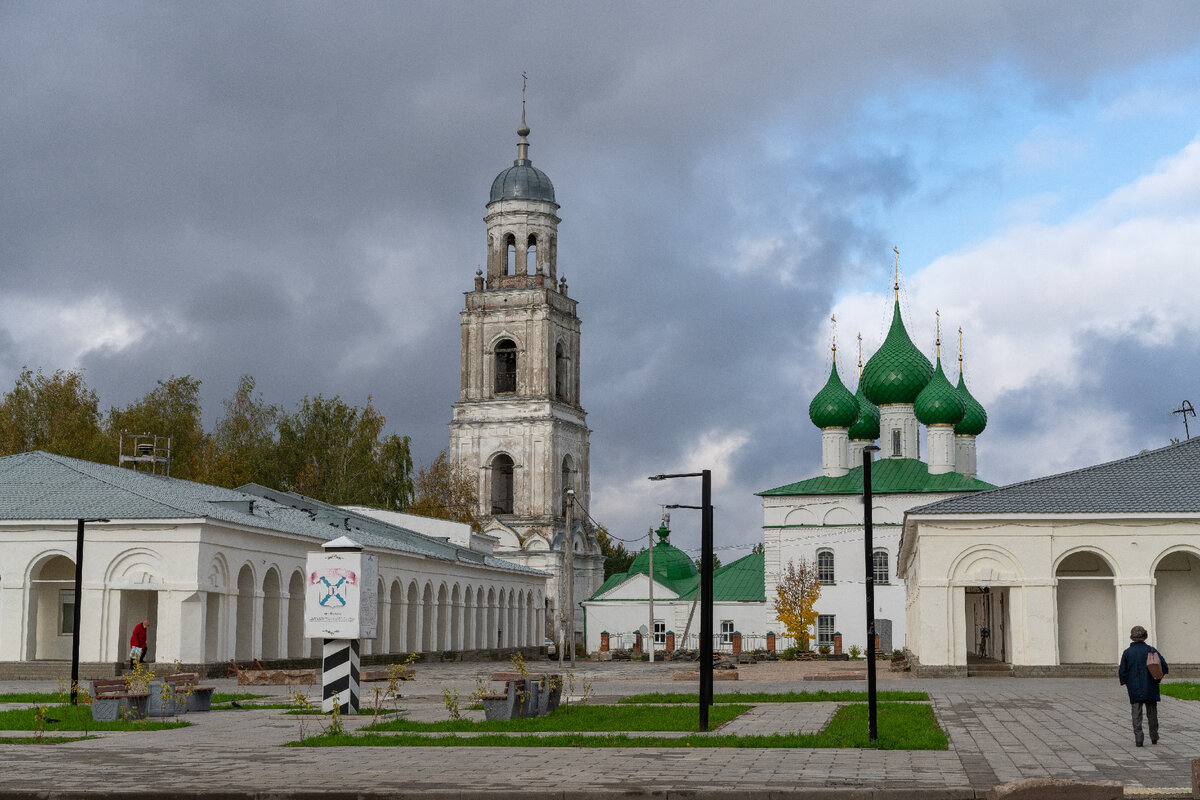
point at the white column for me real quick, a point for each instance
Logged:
(941, 445)
(964, 455)
(285, 601)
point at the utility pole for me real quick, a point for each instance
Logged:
(569, 545)
(869, 548)
(650, 536)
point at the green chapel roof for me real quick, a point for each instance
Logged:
(939, 403)
(888, 476)
(975, 419)
(834, 406)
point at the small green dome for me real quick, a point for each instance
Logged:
(834, 406)
(898, 371)
(670, 563)
(975, 420)
(939, 403)
(867, 426)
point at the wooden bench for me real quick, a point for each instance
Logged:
(367, 675)
(199, 698)
(112, 700)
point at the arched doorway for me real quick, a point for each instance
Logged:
(51, 609)
(270, 623)
(243, 648)
(1087, 610)
(413, 625)
(428, 621)
(296, 643)
(1177, 607)
(396, 618)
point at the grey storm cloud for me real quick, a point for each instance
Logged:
(296, 191)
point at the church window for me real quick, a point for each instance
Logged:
(502, 484)
(896, 441)
(825, 630)
(66, 616)
(531, 256)
(510, 263)
(567, 483)
(660, 631)
(825, 566)
(879, 563)
(562, 372)
(506, 366)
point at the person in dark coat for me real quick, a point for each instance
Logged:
(1142, 687)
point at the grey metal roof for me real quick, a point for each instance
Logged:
(44, 486)
(1165, 480)
(522, 181)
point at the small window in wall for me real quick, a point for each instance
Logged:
(825, 566)
(502, 484)
(506, 366)
(660, 631)
(66, 613)
(825, 629)
(726, 631)
(531, 256)
(879, 561)
(562, 372)
(896, 442)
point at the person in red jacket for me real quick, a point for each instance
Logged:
(137, 643)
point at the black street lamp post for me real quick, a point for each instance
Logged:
(706, 587)
(869, 547)
(79, 523)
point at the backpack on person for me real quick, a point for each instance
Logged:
(1154, 665)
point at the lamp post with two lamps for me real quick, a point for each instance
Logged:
(869, 548)
(706, 586)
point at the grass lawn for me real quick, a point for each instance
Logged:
(76, 718)
(1183, 690)
(902, 726)
(43, 740)
(821, 696)
(581, 718)
(32, 697)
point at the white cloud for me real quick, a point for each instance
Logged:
(47, 331)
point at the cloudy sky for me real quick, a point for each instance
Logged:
(295, 191)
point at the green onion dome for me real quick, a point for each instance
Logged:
(975, 420)
(834, 406)
(670, 563)
(939, 403)
(867, 426)
(898, 371)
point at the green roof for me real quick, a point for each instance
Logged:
(888, 476)
(741, 581)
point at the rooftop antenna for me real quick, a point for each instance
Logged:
(1184, 409)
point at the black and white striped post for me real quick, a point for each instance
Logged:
(339, 675)
(341, 604)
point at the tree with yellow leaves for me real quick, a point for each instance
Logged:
(796, 598)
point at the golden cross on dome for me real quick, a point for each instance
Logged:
(938, 343)
(833, 334)
(896, 286)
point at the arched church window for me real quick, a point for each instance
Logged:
(567, 482)
(506, 366)
(895, 441)
(531, 255)
(562, 372)
(879, 564)
(825, 566)
(502, 484)
(510, 262)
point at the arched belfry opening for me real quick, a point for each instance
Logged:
(506, 366)
(562, 373)
(531, 265)
(502, 484)
(510, 255)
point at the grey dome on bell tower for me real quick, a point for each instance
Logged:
(522, 181)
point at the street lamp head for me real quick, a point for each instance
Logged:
(570, 492)
(658, 477)
(871, 448)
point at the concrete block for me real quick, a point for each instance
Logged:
(1057, 789)
(276, 677)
